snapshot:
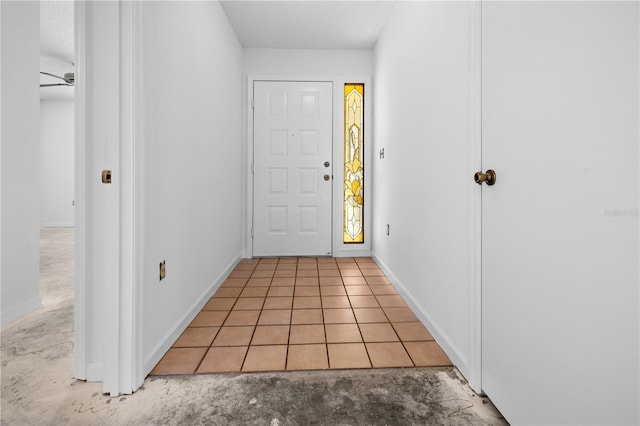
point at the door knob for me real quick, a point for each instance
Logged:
(489, 177)
(327, 177)
(327, 164)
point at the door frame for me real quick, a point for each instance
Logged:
(338, 248)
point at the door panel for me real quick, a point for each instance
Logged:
(559, 271)
(292, 141)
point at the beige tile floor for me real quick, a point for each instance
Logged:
(302, 313)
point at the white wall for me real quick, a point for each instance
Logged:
(340, 67)
(56, 162)
(20, 181)
(424, 189)
(191, 118)
(301, 62)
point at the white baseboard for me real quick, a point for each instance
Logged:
(452, 351)
(23, 308)
(161, 348)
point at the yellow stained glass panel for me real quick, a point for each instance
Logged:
(353, 163)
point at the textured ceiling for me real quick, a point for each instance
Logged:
(308, 24)
(56, 46)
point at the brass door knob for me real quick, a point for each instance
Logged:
(327, 177)
(489, 177)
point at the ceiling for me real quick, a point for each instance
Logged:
(56, 46)
(291, 24)
(308, 24)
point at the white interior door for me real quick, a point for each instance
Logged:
(560, 225)
(292, 168)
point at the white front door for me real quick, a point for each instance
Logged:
(292, 168)
(560, 225)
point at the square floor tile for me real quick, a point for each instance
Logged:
(350, 272)
(248, 303)
(383, 289)
(254, 292)
(307, 357)
(242, 318)
(332, 290)
(306, 302)
(335, 302)
(240, 274)
(228, 292)
(307, 316)
(245, 266)
(307, 281)
(343, 260)
(286, 266)
(330, 281)
(308, 333)
(371, 272)
(307, 265)
(284, 273)
(283, 282)
(271, 335)
(412, 331)
(234, 282)
(280, 291)
(275, 317)
(348, 355)
(265, 358)
(388, 355)
(377, 281)
(308, 291)
(233, 336)
(259, 282)
(379, 332)
(220, 304)
(223, 360)
(400, 314)
(196, 336)
(289, 259)
(363, 301)
(427, 354)
(332, 272)
(368, 315)
(391, 301)
(353, 280)
(306, 272)
(263, 273)
(179, 361)
(209, 319)
(278, 303)
(338, 316)
(343, 333)
(358, 290)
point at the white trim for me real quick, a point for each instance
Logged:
(81, 198)
(20, 309)
(169, 339)
(338, 248)
(57, 225)
(456, 355)
(474, 375)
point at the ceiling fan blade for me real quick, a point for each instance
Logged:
(55, 84)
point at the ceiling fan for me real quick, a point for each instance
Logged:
(69, 79)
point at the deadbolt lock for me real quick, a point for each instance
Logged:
(327, 164)
(106, 176)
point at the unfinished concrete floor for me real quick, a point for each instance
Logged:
(38, 387)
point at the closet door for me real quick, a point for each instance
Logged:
(560, 254)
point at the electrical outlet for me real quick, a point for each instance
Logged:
(388, 229)
(163, 270)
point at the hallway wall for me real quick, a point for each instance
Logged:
(191, 101)
(424, 189)
(56, 162)
(20, 160)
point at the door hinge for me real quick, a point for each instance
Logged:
(253, 103)
(251, 232)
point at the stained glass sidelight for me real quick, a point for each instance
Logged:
(354, 163)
